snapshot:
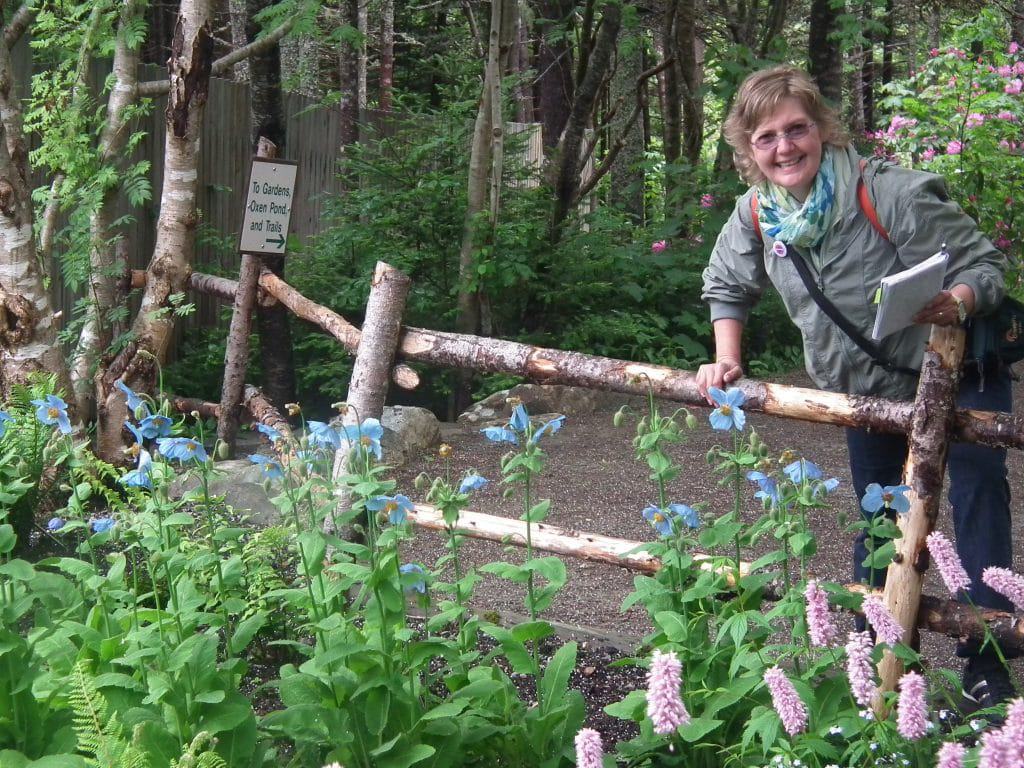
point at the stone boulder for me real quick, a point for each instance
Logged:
(539, 399)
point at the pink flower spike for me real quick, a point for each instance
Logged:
(588, 748)
(786, 701)
(664, 705)
(948, 562)
(859, 669)
(951, 755)
(820, 626)
(1007, 583)
(911, 710)
(659, 246)
(887, 629)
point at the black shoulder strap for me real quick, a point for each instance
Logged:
(868, 347)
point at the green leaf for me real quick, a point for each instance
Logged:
(19, 570)
(803, 544)
(406, 756)
(698, 728)
(245, 630)
(632, 707)
(672, 624)
(555, 681)
(538, 511)
(7, 538)
(375, 709)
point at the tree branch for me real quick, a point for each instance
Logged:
(18, 24)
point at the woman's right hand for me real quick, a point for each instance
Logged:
(718, 374)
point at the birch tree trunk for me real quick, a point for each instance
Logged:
(28, 337)
(189, 75)
(387, 54)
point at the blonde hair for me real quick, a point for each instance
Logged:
(759, 96)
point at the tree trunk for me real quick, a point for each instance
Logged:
(855, 91)
(520, 67)
(1017, 22)
(627, 188)
(240, 16)
(867, 83)
(825, 62)
(691, 68)
(362, 24)
(567, 172)
(189, 75)
(348, 78)
(889, 42)
(387, 53)
(554, 67)
(935, 24)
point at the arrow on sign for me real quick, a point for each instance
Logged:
(279, 241)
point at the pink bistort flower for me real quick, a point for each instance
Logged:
(588, 749)
(859, 669)
(786, 701)
(1007, 583)
(951, 755)
(948, 562)
(954, 148)
(820, 626)
(664, 705)
(887, 629)
(911, 710)
(659, 246)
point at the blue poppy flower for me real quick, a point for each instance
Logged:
(136, 433)
(182, 449)
(552, 426)
(140, 476)
(520, 419)
(418, 585)
(52, 410)
(270, 467)
(826, 487)
(687, 514)
(4, 418)
(132, 398)
(656, 516)
(472, 482)
(366, 436)
(891, 497)
(102, 524)
(269, 432)
(500, 435)
(801, 470)
(769, 488)
(397, 507)
(728, 414)
(322, 435)
(155, 426)
(55, 524)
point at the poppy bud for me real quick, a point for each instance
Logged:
(691, 421)
(421, 481)
(618, 417)
(221, 451)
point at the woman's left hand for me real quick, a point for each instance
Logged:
(942, 310)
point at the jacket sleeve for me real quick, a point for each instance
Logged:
(924, 218)
(735, 276)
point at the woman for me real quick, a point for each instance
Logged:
(790, 147)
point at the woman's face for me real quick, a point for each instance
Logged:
(793, 162)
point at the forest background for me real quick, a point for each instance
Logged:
(545, 170)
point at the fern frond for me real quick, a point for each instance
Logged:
(200, 754)
(90, 711)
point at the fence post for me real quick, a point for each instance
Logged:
(236, 356)
(928, 439)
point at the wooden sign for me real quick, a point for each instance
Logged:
(268, 206)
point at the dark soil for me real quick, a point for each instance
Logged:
(596, 485)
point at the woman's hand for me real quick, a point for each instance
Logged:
(944, 308)
(719, 374)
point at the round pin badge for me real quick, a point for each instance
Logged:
(779, 248)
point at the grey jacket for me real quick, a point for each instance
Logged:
(916, 211)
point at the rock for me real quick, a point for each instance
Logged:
(538, 399)
(408, 431)
(240, 482)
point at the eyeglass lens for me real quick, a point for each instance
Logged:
(793, 133)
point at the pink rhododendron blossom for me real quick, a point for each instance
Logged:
(1007, 115)
(1007, 583)
(1018, 68)
(664, 705)
(820, 626)
(928, 154)
(786, 701)
(898, 123)
(1003, 243)
(1014, 47)
(975, 119)
(951, 755)
(954, 148)
(659, 246)
(588, 748)
(707, 201)
(948, 562)
(933, 52)
(1014, 86)
(859, 669)
(911, 710)
(887, 629)
(1005, 71)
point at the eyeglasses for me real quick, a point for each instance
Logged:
(770, 140)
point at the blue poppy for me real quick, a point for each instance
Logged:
(769, 488)
(472, 482)
(520, 419)
(801, 470)
(366, 436)
(140, 476)
(136, 433)
(891, 497)
(397, 507)
(182, 449)
(500, 435)
(728, 414)
(4, 418)
(552, 426)
(656, 516)
(155, 426)
(825, 487)
(269, 432)
(323, 435)
(687, 514)
(132, 398)
(270, 467)
(55, 524)
(417, 585)
(102, 524)
(53, 410)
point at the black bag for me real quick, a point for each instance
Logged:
(996, 339)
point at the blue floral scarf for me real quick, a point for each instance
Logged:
(804, 224)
